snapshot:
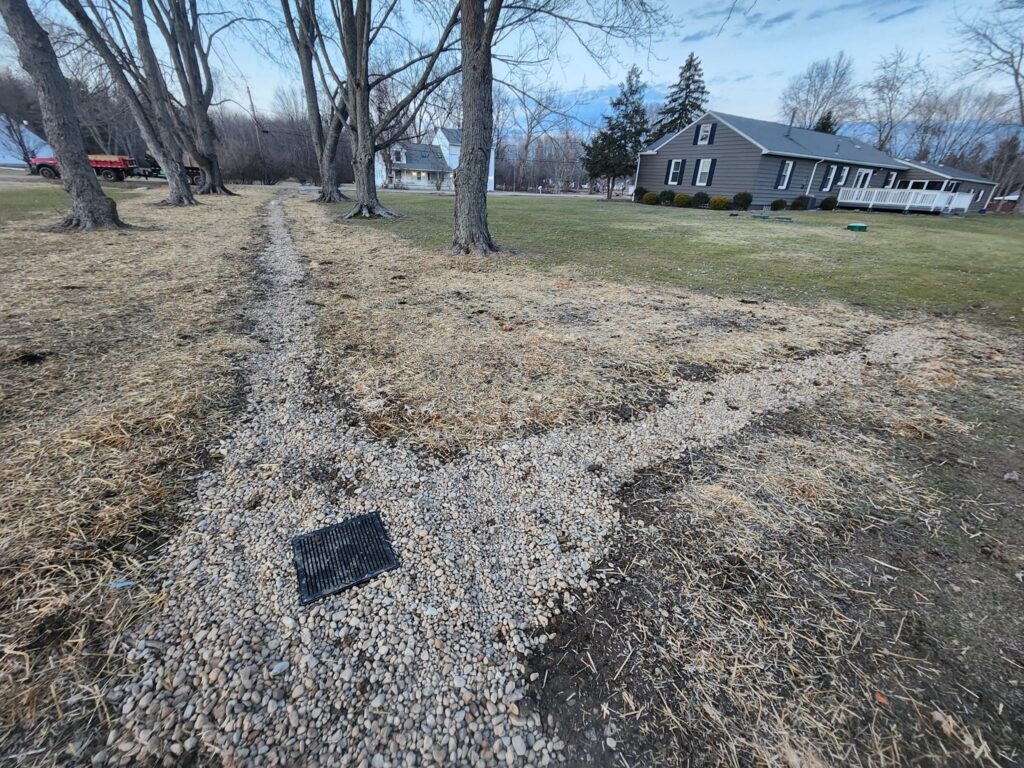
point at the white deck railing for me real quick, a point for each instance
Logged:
(906, 199)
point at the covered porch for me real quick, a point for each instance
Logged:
(921, 200)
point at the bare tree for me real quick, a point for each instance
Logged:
(1006, 165)
(826, 85)
(90, 208)
(18, 112)
(369, 133)
(893, 100)
(189, 36)
(366, 73)
(959, 123)
(995, 42)
(325, 128)
(595, 24)
(538, 111)
(141, 83)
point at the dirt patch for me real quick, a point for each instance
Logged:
(836, 587)
(453, 353)
(121, 358)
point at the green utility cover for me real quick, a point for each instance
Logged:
(857, 227)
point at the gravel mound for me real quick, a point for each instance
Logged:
(424, 665)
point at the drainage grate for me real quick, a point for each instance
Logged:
(340, 556)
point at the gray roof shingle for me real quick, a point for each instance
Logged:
(454, 135)
(779, 139)
(947, 171)
(422, 157)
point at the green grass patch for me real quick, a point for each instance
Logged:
(969, 266)
(45, 202)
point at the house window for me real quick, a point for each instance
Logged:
(977, 197)
(829, 178)
(703, 171)
(673, 174)
(890, 179)
(705, 133)
(785, 173)
(843, 174)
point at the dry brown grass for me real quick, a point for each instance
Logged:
(119, 360)
(454, 352)
(784, 600)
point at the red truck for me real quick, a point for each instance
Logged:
(112, 168)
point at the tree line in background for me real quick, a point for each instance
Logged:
(146, 76)
(366, 75)
(910, 111)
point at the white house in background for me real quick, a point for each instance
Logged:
(13, 133)
(428, 165)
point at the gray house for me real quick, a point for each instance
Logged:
(723, 154)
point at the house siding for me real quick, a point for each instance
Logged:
(740, 167)
(736, 166)
(764, 191)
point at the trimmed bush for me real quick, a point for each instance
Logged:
(638, 194)
(719, 203)
(666, 197)
(682, 200)
(742, 200)
(778, 204)
(801, 203)
(829, 203)
(650, 198)
(700, 200)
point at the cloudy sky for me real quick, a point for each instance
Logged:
(749, 58)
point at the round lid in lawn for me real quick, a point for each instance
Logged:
(857, 227)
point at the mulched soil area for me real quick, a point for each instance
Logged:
(836, 587)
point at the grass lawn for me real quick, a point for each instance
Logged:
(971, 266)
(44, 201)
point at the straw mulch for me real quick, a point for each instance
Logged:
(839, 586)
(121, 358)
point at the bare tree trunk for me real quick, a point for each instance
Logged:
(90, 208)
(611, 183)
(149, 111)
(303, 31)
(206, 157)
(471, 234)
(328, 161)
(367, 205)
(355, 29)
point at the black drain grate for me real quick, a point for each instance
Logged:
(342, 555)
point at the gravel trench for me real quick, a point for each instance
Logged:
(424, 665)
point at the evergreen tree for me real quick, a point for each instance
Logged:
(686, 101)
(827, 123)
(613, 152)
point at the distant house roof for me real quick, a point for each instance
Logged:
(10, 154)
(780, 139)
(454, 135)
(422, 157)
(946, 171)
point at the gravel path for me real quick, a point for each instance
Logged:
(424, 665)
